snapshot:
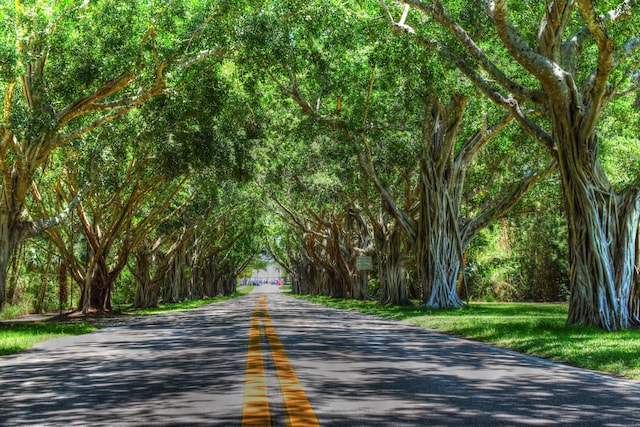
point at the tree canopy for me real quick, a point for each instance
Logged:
(164, 147)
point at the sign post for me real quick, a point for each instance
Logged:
(364, 264)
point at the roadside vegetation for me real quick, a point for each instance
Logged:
(156, 152)
(532, 328)
(21, 335)
(16, 336)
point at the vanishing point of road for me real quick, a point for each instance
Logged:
(268, 359)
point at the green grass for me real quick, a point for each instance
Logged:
(537, 329)
(19, 336)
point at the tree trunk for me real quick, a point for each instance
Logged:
(312, 280)
(438, 246)
(228, 286)
(11, 235)
(603, 229)
(209, 274)
(147, 289)
(461, 284)
(296, 274)
(6, 250)
(634, 304)
(175, 289)
(393, 284)
(100, 285)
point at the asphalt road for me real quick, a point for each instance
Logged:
(190, 369)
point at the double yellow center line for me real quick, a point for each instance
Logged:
(256, 402)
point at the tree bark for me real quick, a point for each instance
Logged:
(393, 283)
(438, 248)
(13, 231)
(576, 87)
(634, 303)
(147, 289)
(174, 288)
(602, 224)
(602, 236)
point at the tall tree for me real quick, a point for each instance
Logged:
(440, 229)
(402, 119)
(70, 67)
(574, 60)
(123, 207)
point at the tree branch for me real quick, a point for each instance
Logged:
(508, 102)
(538, 65)
(41, 225)
(472, 146)
(437, 11)
(501, 205)
(87, 104)
(552, 27)
(606, 47)
(116, 109)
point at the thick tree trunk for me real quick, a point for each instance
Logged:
(602, 237)
(602, 224)
(434, 233)
(209, 277)
(196, 282)
(175, 287)
(438, 241)
(339, 287)
(12, 233)
(100, 285)
(5, 256)
(603, 241)
(634, 303)
(147, 289)
(296, 275)
(439, 258)
(393, 283)
(228, 286)
(312, 280)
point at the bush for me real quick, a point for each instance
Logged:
(521, 259)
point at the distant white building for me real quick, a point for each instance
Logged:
(269, 274)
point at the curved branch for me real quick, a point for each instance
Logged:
(505, 203)
(538, 65)
(39, 226)
(572, 49)
(115, 109)
(476, 142)
(87, 104)
(408, 223)
(437, 11)
(606, 47)
(507, 102)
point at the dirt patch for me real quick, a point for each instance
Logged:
(96, 317)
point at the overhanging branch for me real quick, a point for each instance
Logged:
(41, 225)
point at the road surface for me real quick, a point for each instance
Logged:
(267, 359)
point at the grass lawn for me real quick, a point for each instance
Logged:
(18, 336)
(21, 335)
(537, 329)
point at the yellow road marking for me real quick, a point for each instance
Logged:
(255, 411)
(295, 399)
(256, 404)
